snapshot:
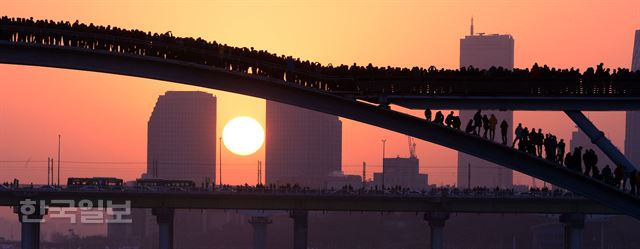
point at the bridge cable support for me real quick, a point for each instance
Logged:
(599, 139)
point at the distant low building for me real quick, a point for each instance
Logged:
(337, 180)
(400, 171)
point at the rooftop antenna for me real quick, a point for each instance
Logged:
(472, 25)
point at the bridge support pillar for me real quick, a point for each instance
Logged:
(30, 218)
(300, 218)
(164, 217)
(436, 223)
(573, 229)
(259, 224)
(597, 137)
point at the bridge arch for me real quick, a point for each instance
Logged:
(280, 91)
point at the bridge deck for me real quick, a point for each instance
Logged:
(522, 103)
(319, 202)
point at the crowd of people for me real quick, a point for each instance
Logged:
(442, 191)
(546, 146)
(370, 79)
(479, 124)
(539, 80)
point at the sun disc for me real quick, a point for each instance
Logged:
(243, 135)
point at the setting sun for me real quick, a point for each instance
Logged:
(243, 135)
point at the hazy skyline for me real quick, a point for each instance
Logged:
(102, 118)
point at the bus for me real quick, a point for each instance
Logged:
(99, 183)
(165, 184)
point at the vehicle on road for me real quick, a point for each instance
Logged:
(102, 183)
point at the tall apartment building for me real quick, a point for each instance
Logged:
(632, 131)
(181, 136)
(485, 51)
(302, 146)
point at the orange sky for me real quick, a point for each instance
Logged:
(103, 117)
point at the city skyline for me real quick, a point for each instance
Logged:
(142, 103)
(126, 123)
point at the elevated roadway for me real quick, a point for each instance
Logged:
(518, 204)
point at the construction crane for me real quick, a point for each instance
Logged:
(412, 148)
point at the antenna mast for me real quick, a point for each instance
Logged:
(364, 175)
(259, 172)
(412, 148)
(472, 25)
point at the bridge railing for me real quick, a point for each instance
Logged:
(358, 82)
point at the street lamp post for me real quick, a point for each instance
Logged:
(384, 141)
(220, 162)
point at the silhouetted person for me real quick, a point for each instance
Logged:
(550, 145)
(504, 126)
(533, 141)
(477, 121)
(595, 172)
(577, 153)
(590, 160)
(607, 175)
(618, 177)
(569, 162)
(523, 144)
(518, 133)
(439, 118)
(485, 125)
(427, 114)
(539, 142)
(493, 122)
(576, 159)
(470, 127)
(449, 120)
(560, 153)
(456, 122)
(632, 181)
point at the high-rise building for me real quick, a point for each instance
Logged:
(181, 145)
(632, 131)
(485, 51)
(635, 63)
(302, 146)
(181, 141)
